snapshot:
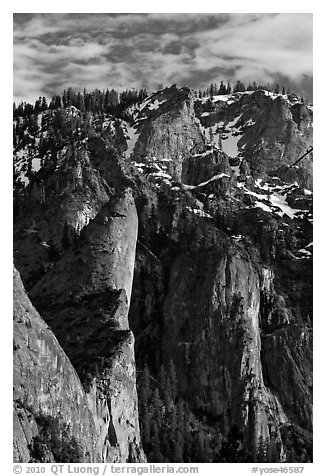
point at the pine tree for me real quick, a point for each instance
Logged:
(273, 451)
(157, 407)
(199, 447)
(239, 87)
(211, 90)
(37, 106)
(290, 456)
(161, 372)
(14, 137)
(145, 427)
(44, 105)
(222, 90)
(20, 109)
(80, 104)
(172, 375)
(155, 440)
(164, 441)
(70, 97)
(173, 420)
(167, 396)
(144, 388)
(65, 98)
(181, 425)
(66, 238)
(176, 453)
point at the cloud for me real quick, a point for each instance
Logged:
(55, 51)
(279, 44)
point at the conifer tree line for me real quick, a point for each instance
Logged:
(113, 102)
(239, 86)
(172, 433)
(109, 101)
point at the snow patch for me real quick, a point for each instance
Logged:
(262, 205)
(36, 164)
(72, 111)
(155, 105)
(216, 177)
(199, 212)
(208, 152)
(235, 121)
(258, 184)
(249, 123)
(161, 174)
(305, 252)
(230, 144)
(276, 198)
(131, 138)
(237, 237)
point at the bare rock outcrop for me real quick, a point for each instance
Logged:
(171, 132)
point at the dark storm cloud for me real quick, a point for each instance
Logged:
(136, 50)
(174, 48)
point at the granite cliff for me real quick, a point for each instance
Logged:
(48, 394)
(184, 223)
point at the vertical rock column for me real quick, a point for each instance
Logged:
(113, 396)
(114, 232)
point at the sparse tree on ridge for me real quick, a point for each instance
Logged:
(222, 90)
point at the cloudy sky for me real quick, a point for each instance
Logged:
(54, 51)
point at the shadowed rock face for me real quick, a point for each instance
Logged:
(206, 258)
(212, 303)
(212, 331)
(202, 167)
(214, 307)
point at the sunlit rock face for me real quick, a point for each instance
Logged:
(46, 386)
